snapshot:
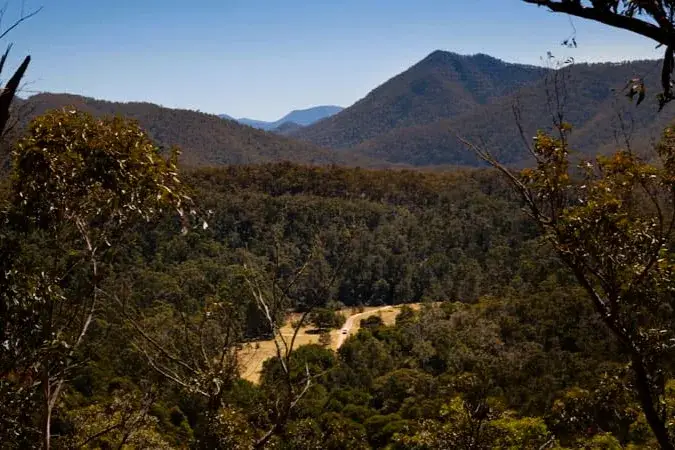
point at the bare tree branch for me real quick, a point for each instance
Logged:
(19, 21)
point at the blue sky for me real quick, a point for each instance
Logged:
(262, 58)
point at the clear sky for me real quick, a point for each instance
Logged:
(263, 58)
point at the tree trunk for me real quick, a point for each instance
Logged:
(47, 412)
(655, 422)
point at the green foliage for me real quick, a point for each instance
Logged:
(325, 319)
(77, 185)
(313, 358)
(226, 429)
(371, 322)
(406, 315)
(343, 433)
(361, 215)
(325, 339)
(123, 422)
(394, 388)
(602, 441)
(485, 427)
(71, 167)
(515, 433)
(510, 354)
(305, 433)
(614, 230)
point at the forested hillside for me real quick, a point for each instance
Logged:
(400, 236)
(594, 104)
(512, 336)
(414, 118)
(442, 85)
(420, 126)
(208, 300)
(204, 139)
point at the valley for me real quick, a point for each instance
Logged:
(476, 252)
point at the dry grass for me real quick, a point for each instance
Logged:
(254, 354)
(389, 315)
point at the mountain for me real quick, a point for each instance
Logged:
(302, 117)
(442, 85)
(594, 104)
(415, 117)
(287, 128)
(262, 125)
(205, 140)
(309, 116)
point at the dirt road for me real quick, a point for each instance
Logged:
(254, 354)
(349, 323)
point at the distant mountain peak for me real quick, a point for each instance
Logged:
(443, 55)
(287, 128)
(448, 57)
(204, 139)
(311, 115)
(440, 86)
(319, 109)
(301, 117)
(412, 117)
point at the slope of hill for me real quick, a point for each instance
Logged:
(593, 103)
(302, 117)
(442, 85)
(415, 117)
(260, 124)
(204, 139)
(287, 128)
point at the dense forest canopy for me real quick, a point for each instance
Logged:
(513, 332)
(536, 308)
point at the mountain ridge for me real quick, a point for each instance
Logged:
(441, 85)
(301, 117)
(204, 139)
(414, 119)
(473, 96)
(596, 108)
